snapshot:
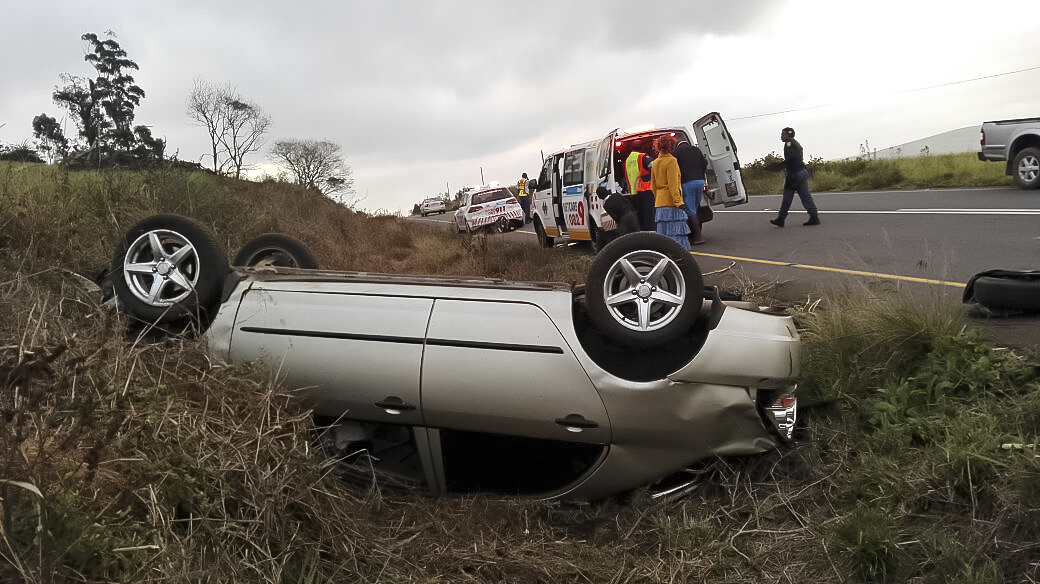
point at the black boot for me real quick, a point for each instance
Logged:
(813, 220)
(779, 222)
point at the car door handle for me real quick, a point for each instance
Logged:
(576, 423)
(394, 405)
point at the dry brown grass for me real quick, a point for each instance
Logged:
(123, 460)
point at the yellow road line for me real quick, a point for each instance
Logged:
(833, 270)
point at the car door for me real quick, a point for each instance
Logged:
(356, 356)
(721, 151)
(460, 213)
(575, 206)
(544, 203)
(605, 160)
(515, 411)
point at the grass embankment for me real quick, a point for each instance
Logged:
(946, 170)
(126, 461)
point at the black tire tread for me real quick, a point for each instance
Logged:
(1008, 293)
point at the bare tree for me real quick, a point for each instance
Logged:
(317, 164)
(236, 127)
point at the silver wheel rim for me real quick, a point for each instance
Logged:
(1028, 168)
(272, 257)
(161, 268)
(644, 290)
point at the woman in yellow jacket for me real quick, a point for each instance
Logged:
(668, 200)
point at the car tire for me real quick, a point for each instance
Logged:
(1026, 168)
(539, 231)
(1008, 293)
(167, 269)
(275, 249)
(644, 290)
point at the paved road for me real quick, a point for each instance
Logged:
(919, 242)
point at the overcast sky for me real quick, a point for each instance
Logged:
(423, 95)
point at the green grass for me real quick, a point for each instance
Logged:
(128, 461)
(940, 171)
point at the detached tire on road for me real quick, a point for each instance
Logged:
(644, 290)
(1026, 168)
(167, 269)
(1022, 294)
(275, 249)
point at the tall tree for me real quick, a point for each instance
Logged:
(236, 127)
(104, 107)
(49, 137)
(317, 164)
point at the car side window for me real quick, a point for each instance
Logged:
(545, 177)
(573, 167)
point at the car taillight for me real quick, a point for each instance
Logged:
(474, 209)
(982, 140)
(513, 201)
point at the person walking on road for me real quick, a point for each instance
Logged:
(796, 180)
(692, 166)
(524, 197)
(670, 209)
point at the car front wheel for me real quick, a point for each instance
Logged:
(539, 231)
(644, 290)
(168, 268)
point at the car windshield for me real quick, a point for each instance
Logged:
(489, 196)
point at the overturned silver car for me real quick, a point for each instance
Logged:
(458, 385)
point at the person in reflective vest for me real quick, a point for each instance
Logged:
(524, 197)
(637, 173)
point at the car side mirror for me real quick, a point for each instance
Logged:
(532, 185)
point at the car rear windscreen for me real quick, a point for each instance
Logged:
(487, 197)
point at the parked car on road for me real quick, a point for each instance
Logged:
(431, 206)
(456, 385)
(489, 208)
(1016, 143)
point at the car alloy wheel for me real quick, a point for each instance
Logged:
(168, 268)
(644, 290)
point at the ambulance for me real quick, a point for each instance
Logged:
(564, 205)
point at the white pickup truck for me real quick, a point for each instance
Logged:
(1017, 144)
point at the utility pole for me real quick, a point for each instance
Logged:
(482, 175)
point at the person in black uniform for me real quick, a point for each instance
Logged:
(795, 181)
(692, 168)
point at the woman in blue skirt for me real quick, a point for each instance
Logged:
(668, 200)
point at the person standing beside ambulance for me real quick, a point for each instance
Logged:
(524, 197)
(692, 169)
(637, 171)
(666, 184)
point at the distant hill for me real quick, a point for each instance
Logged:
(952, 142)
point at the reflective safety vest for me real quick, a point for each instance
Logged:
(635, 170)
(521, 188)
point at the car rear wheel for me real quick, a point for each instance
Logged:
(501, 225)
(543, 239)
(275, 249)
(644, 290)
(168, 268)
(1027, 168)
